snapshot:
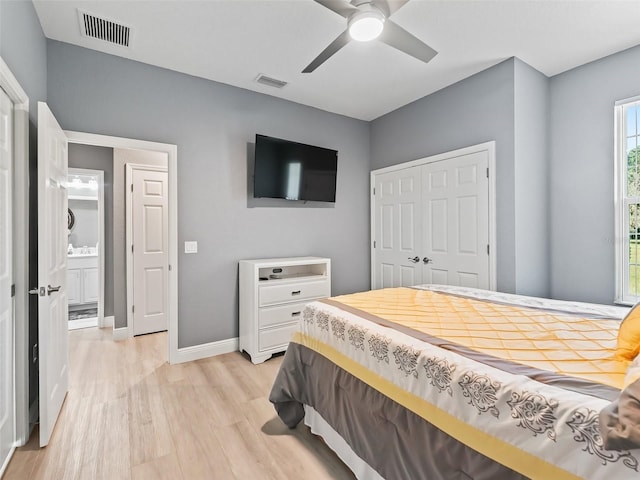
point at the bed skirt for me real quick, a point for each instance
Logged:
(392, 440)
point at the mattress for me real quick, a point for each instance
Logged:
(433, 382)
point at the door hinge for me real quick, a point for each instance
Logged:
(13, 290)
(34, 352)
(132, 187)
(132, 248)
(487, 249)
(169, 267)
(487, 172)
(374, 244)
(374, 190)
(133, 309)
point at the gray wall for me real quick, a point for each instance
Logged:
(582, 175)
(24, 49)
(101, 158)
(120, 158)
(476, 110)
(212, 125)
(531, 180)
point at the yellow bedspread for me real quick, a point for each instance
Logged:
(557, 342)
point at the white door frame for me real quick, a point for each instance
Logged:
(101, 271)
(490, 148)
(11, 86)
(130, 167)
(172, 167)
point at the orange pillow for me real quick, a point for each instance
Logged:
(629, 335)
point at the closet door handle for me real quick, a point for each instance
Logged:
(51, 289)
(427, 260)
(297, 292)
(415, 259)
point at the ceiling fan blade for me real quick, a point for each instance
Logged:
(399, 38)
(388, 7)
(336, 45)
(341, 7)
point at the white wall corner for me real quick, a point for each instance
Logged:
(189, 354)
(122, 333)
(106, 322)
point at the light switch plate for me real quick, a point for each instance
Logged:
(191, 247)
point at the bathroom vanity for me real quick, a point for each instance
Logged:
(82, 278)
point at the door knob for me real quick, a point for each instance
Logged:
(427, 260)
(51, 289)
(415, 259)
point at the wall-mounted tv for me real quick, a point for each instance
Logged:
(294, 171)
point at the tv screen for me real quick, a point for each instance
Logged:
(295, 171)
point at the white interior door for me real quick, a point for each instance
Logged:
(150, 238)
(7, 393)
(52, 270)
(456, 221)
(397, 213)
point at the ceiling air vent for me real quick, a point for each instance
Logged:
(104, 29)
(269, 81)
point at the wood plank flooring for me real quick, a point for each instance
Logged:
(131, 415)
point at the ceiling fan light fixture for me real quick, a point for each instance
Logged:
(366, 26)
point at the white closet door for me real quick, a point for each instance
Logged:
(456, 221)
(398, 235)
(7, 410)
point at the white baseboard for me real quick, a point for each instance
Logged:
(83, 323)
(122, 333)
(106, 322)
(189, 354)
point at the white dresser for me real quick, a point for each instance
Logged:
(273, 293)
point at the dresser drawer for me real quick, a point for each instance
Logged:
(276, 336)
(288, 313)
(270, 294)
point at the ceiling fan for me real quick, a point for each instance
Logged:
(368, 20)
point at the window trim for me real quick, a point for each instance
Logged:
(621, 202)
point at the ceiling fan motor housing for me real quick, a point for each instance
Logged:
(367, 23)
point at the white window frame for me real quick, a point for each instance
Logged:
(622, 202)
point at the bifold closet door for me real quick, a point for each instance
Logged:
(398, 233)
(455, 222)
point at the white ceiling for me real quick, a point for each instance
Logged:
(232, 41)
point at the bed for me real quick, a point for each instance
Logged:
(440, 382)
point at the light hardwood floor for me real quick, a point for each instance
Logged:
(131, 415)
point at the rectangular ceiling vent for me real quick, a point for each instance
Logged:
(269, 81)
(104, 29)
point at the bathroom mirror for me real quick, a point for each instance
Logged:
(71, 220)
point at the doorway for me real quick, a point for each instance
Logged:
(170, 152)
(85, 250)
(18, 401)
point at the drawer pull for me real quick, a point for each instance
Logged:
(295, 314)
(297, 292)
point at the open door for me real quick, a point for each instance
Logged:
(52, 270)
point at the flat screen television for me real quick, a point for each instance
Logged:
(294, 171)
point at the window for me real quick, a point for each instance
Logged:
(627, 152)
